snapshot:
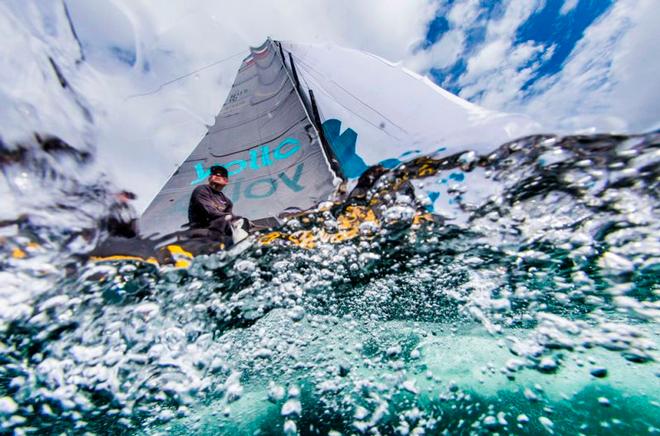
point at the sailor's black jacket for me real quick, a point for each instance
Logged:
(206, 205)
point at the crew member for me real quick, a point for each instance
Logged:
(211, 209)
(122, 219)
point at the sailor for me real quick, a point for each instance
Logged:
(122, 218)
(210, 208)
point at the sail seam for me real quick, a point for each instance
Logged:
(252, 119)
(297, 124)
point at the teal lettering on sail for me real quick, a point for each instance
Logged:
(261, 188)
(293, 183)
(258, 159)
(267, 186)
(279, 154)
(343, 145)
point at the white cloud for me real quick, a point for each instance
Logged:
(442, 54)
(496, 71)
(568, 6)
(464, 14)
(490, 57)
(515, 13)
(636, 67)
(609, 82)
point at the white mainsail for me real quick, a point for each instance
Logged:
(394, 111)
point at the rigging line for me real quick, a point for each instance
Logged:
(300, 61)
(328, 158)
(176, 79)
(306, 84)
(363, 118)
(354, 97)
(322, 88)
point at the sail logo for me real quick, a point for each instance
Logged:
(267, 186)
(284, 150)
(343, 145)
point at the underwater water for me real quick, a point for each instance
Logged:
(528, 309)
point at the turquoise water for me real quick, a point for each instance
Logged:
(531, 308)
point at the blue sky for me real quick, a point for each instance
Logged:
(551, 24)
(576, 65)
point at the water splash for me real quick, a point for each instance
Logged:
(530, 307)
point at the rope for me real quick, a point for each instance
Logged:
(367, 105)
(176, 79)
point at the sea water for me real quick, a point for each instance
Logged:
(530, 310)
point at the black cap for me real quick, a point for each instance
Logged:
(218, 170)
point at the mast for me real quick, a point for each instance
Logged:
(311, 107)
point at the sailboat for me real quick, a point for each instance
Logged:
(301, 120)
